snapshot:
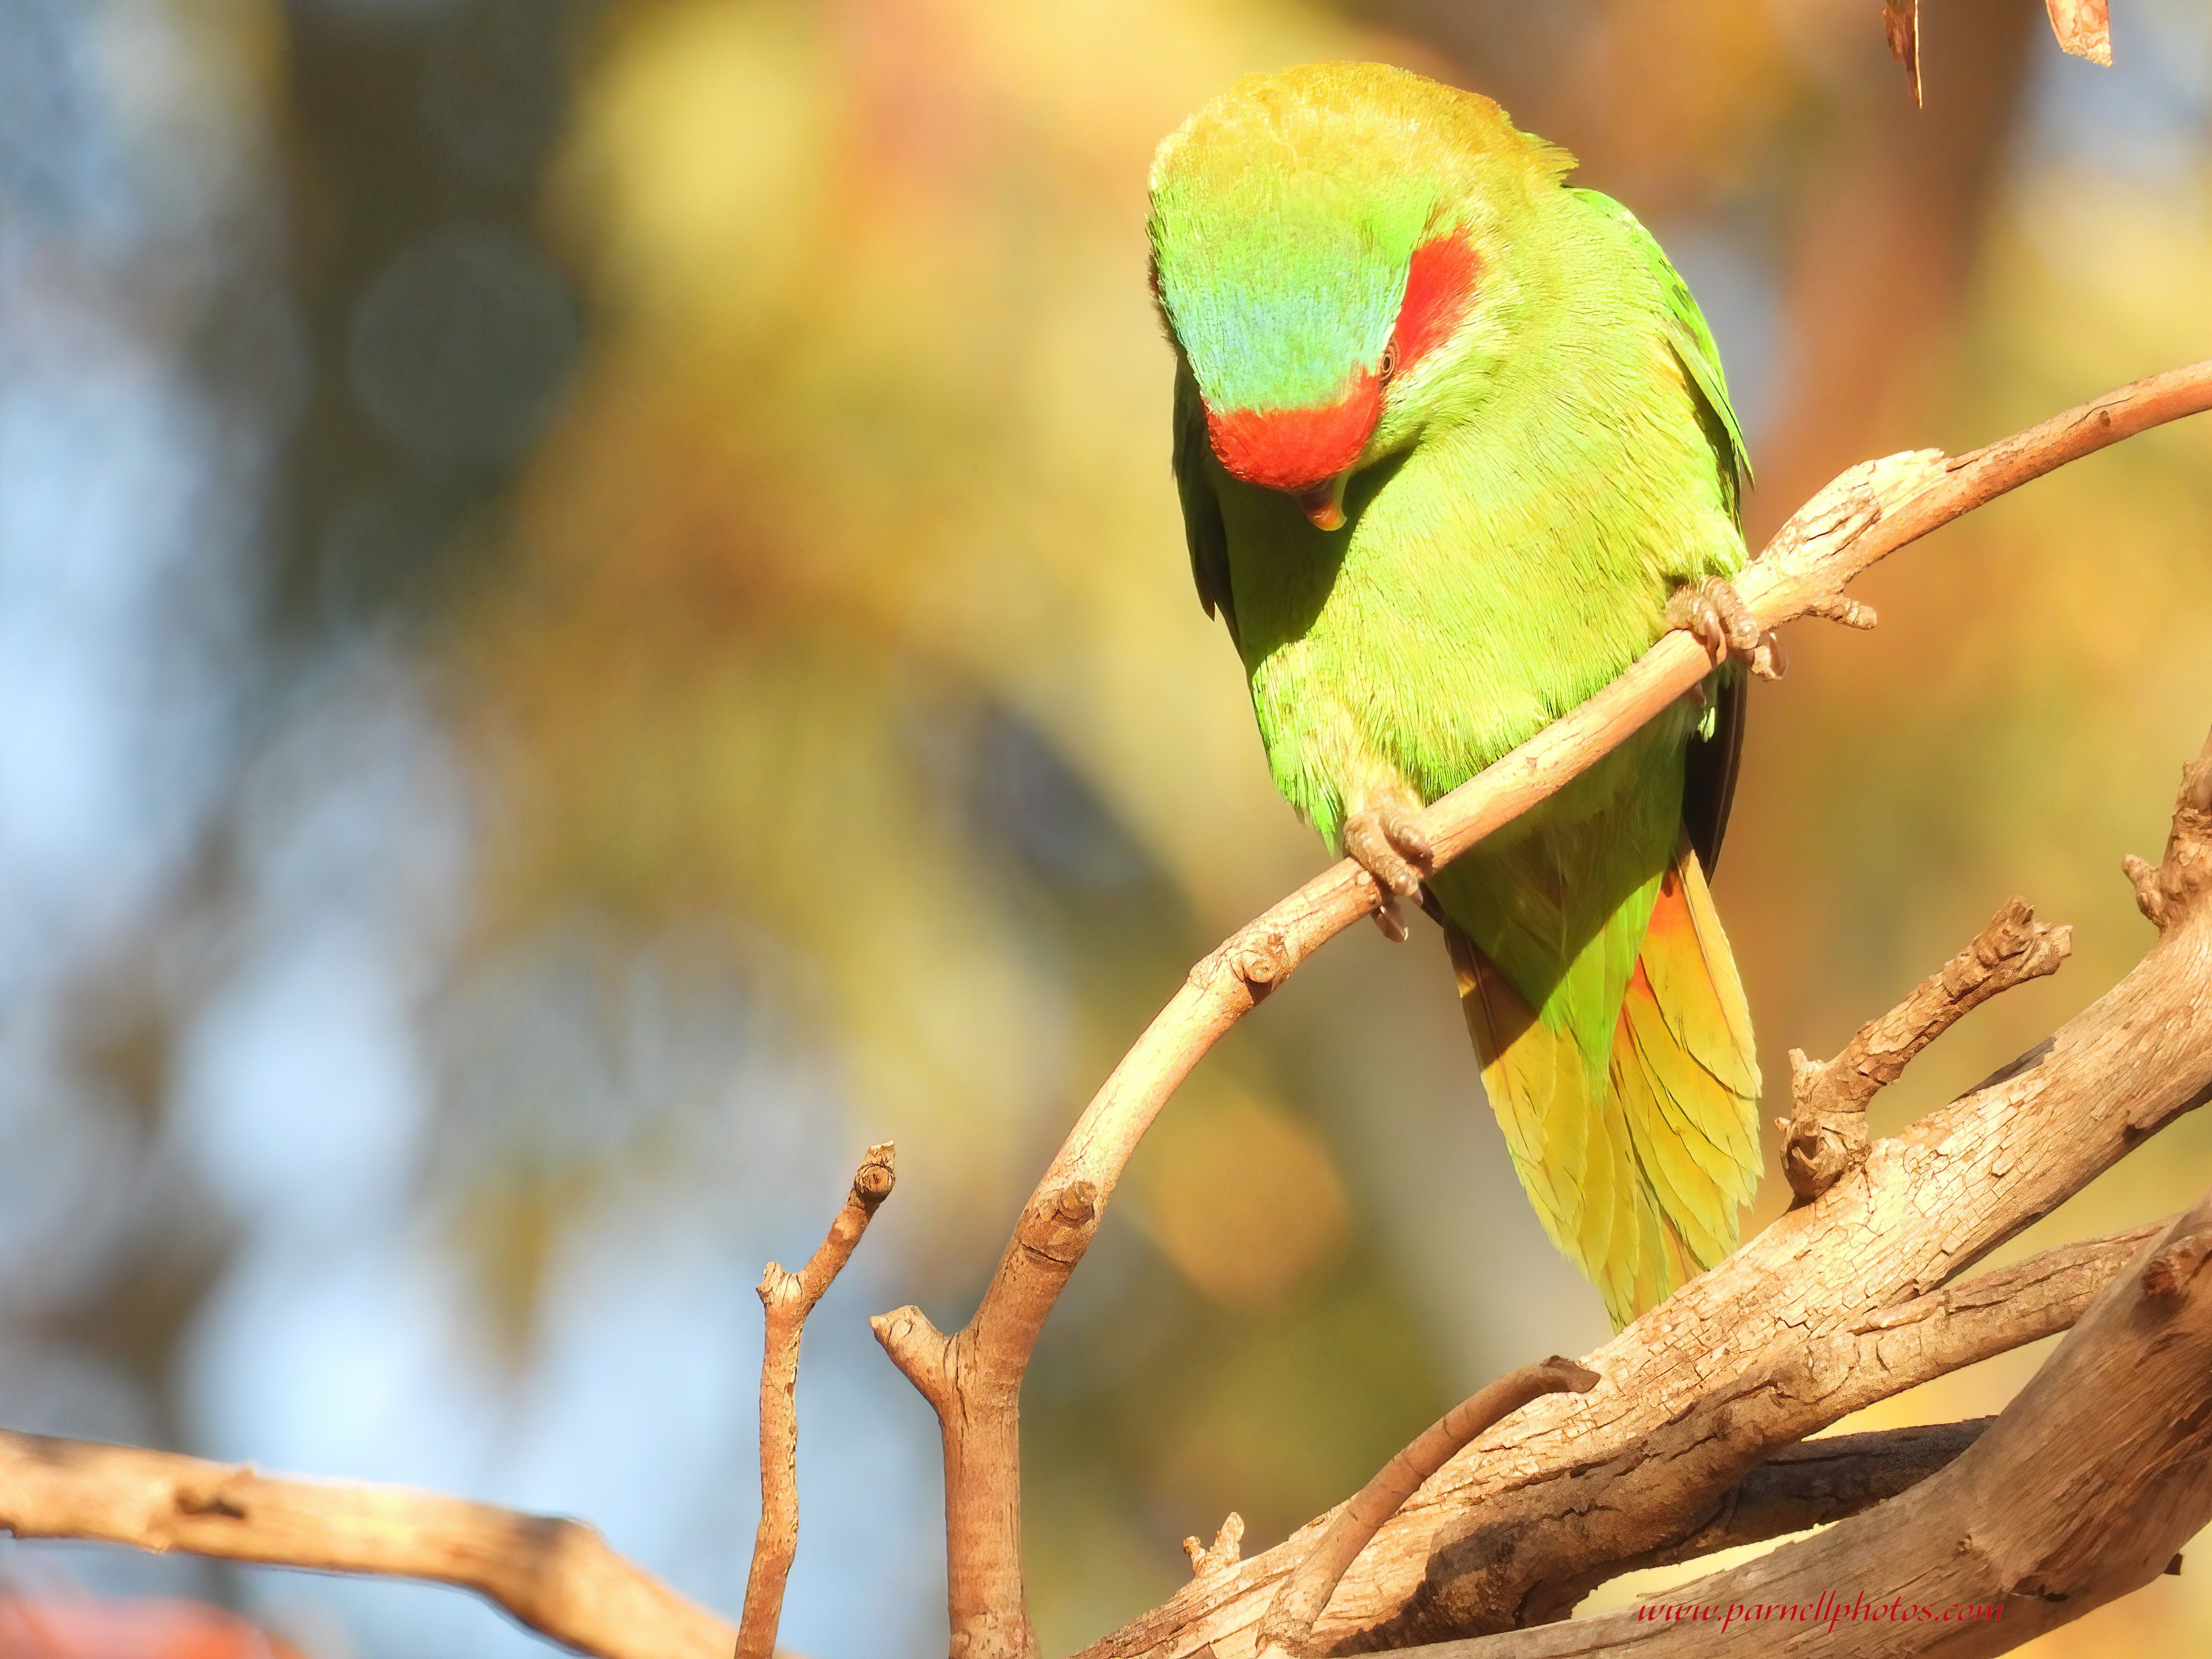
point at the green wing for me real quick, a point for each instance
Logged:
(1692, 342)
(1201, 512)
(1713, 759)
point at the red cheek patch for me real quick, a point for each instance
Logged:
(1439, 289)
(1296, 449)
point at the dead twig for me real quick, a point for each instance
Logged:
(1826, 1134)
(2165, 889)
(1226, 1550)
(1288, 1627)
(786, 1300)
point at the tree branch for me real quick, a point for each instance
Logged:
(1826, 1134)
(558, 1577)
(786, 1300)
(1540, 1548)
(1919, 1210)
(1852, 1265)
(1812, 1484)
(973, 1380)
(2080, 1492)
(1859, 518)
(1289, 1622)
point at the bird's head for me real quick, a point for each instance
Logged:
(1326, 247)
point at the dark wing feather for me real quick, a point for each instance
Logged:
(1709, 783)
(1201, 513)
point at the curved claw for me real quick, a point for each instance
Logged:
(1389, 846)
(1391, 920)
(1714, 614)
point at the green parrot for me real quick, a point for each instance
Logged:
(1454, 449)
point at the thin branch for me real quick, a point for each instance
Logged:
(1826, 1134)
(1859, 518)
(1923, 1207)
(786, 1300)
(558, 1577)
(1288, 1625)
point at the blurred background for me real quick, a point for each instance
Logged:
(592, 618)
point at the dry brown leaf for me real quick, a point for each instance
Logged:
(2084, 27)
(1901, 19)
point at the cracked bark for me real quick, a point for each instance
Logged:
(2082, 1491)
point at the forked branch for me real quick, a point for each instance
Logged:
(786, 1300)
(1862, 517)
(1827, 1134)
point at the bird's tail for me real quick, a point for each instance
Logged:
(1641, 1187)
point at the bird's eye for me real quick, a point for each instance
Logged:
(1390, 363)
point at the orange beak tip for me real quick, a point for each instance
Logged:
(1324, 505)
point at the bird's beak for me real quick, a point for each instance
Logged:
(1324, 505)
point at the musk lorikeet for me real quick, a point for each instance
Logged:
(1454, 449)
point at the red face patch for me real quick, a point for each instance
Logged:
(1439, 287)
(1296, 449)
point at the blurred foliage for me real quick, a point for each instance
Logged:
(745, 421)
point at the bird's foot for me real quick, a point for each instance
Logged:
(1388, 845)
(1714, 614)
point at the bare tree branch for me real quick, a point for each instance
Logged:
(1543, 1548)
(786, 1300)
(973, 1380)
(558, 1577)
(2080, 1492)
(1847, 1272)
(1289, 1622)
(1826, 1134)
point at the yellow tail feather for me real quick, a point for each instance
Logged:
(1640, 1187)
